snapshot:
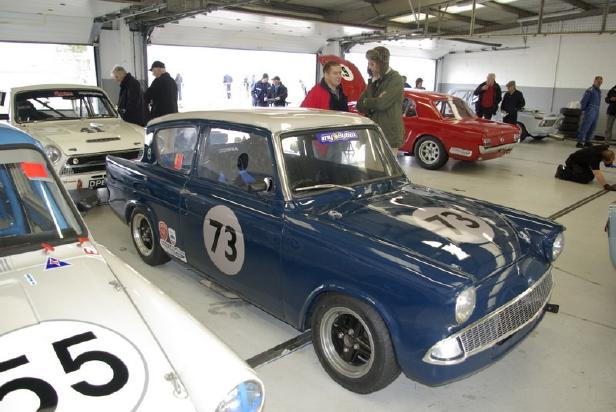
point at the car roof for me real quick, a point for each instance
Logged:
(11, 135)
(54, 87)
(275, 120)
(426, 94)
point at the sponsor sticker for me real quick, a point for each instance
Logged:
(30, 279)
(53, 263)
(337, 136)
(347, 74)
(223, 239)
(168, 239)
(34, 170)
(454, 224)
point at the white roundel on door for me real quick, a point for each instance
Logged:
(459, 226)
(224, 240)
(67, 366)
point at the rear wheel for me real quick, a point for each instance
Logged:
(145, 238)
(353, 344)
(430, 153)
(523, 132)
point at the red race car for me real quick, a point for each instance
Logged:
(438, 126)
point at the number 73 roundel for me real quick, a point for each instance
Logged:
(459, 226)
(69, 366)
(224, 240)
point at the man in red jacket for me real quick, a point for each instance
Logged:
(328, 94)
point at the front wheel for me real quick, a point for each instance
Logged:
(430, 153)
(145, 238)
(353, 344)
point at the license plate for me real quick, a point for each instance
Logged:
(96, 183)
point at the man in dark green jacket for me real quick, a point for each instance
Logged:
(382, 99)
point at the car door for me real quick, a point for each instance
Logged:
(174, 146)
(234, 233)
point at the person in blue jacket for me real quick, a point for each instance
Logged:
(590, 107)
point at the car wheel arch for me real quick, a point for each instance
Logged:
(132, 205)
(333, 289)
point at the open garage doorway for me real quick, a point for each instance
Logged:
(45, 63)
(203, 70)
(411, 67)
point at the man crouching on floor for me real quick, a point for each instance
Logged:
(582, 166)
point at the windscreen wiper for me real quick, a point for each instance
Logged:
(323, 186)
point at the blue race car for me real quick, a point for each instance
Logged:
(307, 215)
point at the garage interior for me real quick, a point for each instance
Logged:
(553, 49)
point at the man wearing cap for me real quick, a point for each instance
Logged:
(278, 93)
(162, 95)
(383, 96)
(260, 91)
(513, 102)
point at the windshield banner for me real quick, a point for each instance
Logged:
(337, 136)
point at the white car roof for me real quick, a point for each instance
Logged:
(54, 87)
(275, 120)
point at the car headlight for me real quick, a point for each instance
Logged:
(245, 397)
(557, 246)
(465, 304)
(53, 153)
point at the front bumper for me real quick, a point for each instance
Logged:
(487, 339)
(83, 181)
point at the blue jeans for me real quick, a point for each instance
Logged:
(588, 126)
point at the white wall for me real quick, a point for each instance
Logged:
(551, 72)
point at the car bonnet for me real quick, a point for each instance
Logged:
(450, 230)
(87, 136)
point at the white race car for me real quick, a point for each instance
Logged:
(81, 330)
(534, 123)
(78, 127)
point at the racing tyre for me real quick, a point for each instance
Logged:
(523, 132)
(145, 238)
(353, 344)
(430, 153)
(570, 112)
(538, 137)
(570, 120)
(566, 127)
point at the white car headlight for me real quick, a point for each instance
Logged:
(557, 246)
(245, 397)
(465, 304)
(53, 153)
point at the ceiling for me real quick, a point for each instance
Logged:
(431, 26)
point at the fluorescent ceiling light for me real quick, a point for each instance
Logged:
(462, 9)
(549, 15)
(411, 18)
(351, 30)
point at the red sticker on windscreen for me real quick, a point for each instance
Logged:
(61, 93)
(34, 170)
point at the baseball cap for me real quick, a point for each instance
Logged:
(157, 64)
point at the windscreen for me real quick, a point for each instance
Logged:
(344, 157)
(47, 105)
(33, 210)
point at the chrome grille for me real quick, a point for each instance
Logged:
(548, 123)
(506, 320)
(91, 163)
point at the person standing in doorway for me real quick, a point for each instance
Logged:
(383, 96)
(328, 93)
(278, 93)
(260, 91)
(513, 102)
(489, 93)
(406, 85)
(590, 107)
(419, 84)
(162, 95)
(228, 80)
(130, 102)
(179, 82)
(610, 99)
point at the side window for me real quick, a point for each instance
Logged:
(235, 157)
(175, 147)
(409, 107)
(444, 109)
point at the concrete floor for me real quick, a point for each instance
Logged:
(567, 364)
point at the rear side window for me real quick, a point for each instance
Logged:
(175, 147)
(409, 107)
(235, 157)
